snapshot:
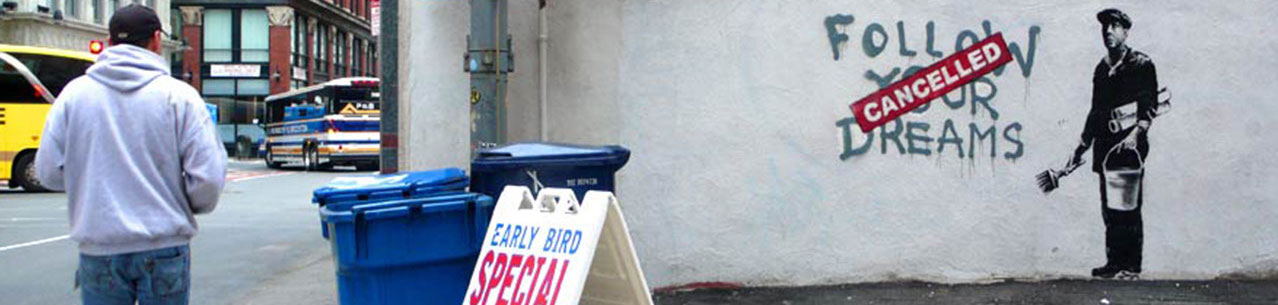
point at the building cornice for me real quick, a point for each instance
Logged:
(48, 19)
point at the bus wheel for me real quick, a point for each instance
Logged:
(24, 174)
(270, 160)
(312, 158)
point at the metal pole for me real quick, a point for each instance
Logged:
(488, 60)
(542, 39)
(388, 46)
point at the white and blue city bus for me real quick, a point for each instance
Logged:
(336, 123)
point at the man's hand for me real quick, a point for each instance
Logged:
(1073, 163)
(1129, 142)
(1077, 158)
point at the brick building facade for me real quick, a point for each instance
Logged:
(237, 54)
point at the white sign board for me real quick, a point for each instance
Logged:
(235, 70)
(299, 73)
(555, 251)
(376, 22)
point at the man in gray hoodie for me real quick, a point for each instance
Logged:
(137, 154)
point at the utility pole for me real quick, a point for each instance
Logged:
(388, 45)
(489, 61)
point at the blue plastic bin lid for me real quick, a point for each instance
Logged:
(549, 154)
(403, 184)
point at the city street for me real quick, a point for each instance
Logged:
(263, 234)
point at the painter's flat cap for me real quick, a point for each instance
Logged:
(1114, 15)
(133, 23)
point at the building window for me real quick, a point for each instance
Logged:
(95, 7)
(112, 5)
(300, 47)
(252, 87)
(236, 36)
(217, 35)
(321, 52)
(219, 87)
(71, 9)
(254, 36)
(175, 24)
(339, 55)
(239, 87)
(356, 68)
(372, 60)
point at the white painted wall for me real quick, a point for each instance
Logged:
(730, 109)
(434, 112)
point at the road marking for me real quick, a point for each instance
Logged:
(42, 241)
(237, 177)
(17, 219)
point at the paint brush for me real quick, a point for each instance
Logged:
(1050, 179)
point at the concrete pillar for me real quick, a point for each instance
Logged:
(281, 21)
(434, 111)
(192, 31)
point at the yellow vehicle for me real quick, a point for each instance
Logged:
(26, 94)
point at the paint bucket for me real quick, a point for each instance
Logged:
(1122, 185)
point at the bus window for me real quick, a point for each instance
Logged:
(16, 88)
(55, 72)
(355, 100)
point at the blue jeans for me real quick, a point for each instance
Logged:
(159, 277)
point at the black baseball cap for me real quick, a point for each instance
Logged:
(133, 23)
(1110, 15)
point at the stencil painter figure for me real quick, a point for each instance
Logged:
(1119, 146)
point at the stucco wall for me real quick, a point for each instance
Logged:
(434, 117)
(743, 171)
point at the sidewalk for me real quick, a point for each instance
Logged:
(1051, 292)
(312, 280)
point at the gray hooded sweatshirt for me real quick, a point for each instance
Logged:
(136, 152)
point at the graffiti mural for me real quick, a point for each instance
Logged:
(960, 136)
(1125, 101)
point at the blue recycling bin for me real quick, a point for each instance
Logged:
(409, 251)
(540, 165)
(363, 189)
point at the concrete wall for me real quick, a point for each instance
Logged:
(743, 170)
(434, 113)
(39, 30)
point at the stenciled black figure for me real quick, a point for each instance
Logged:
(1124, 104)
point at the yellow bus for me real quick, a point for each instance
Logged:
(26, 94)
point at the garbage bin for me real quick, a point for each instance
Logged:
(410, 251)
(541, 165)
(373, 188)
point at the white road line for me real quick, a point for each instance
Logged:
(17, 219)
(238, 179)
(42, 241)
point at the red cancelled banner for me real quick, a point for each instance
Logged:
(932, 82)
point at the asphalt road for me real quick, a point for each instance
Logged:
(262, 240)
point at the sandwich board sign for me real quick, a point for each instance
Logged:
(553, 250)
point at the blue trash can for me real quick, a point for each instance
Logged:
(541, 165)
(411, 251)
(374, 188)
